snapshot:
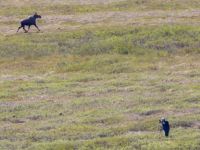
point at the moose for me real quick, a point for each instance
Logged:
(29, 22)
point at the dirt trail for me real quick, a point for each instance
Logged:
(72, 22)
(19, 3)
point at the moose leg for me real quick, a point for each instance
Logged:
(19, 28)
(28, 28)
(37, 27)
(25, 29)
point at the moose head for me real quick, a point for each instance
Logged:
(36, 16)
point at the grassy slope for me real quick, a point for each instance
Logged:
(46, 7)
(103, 85)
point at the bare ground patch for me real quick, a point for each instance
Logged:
(73, 22)
(20, 3)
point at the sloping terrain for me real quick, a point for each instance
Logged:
(100, 75)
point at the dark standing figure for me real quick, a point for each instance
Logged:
(165, 126)
(29, 22)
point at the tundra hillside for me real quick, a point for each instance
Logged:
(100, 75)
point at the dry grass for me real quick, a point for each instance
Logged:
(100, 75)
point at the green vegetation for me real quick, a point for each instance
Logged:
(92, 41)
(100, 83)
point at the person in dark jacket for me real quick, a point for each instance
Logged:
(165, 126)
